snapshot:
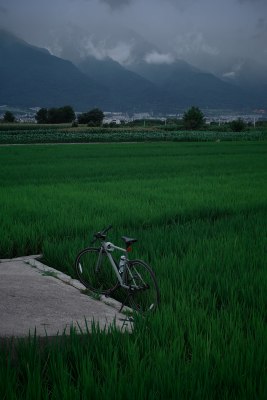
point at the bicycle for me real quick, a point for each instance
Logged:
(101, 273)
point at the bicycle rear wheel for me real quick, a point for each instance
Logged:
(144, 293)
(95, 271)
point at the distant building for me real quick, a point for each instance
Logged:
(111, 121)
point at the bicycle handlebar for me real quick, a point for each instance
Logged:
(99, 235)
(107, 229)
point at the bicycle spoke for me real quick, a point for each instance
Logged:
(95, 271)
(144, 293)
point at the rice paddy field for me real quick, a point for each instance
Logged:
(199, 212)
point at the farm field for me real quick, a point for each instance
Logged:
(65, 133)
(199, 212)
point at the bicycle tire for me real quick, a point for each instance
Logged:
(144, 295)
(102, 280)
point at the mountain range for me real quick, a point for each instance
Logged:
(31, 76)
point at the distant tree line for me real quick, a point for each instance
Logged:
(55, 115)
(8, 117)
(66, 114)
(238, 125)
(93, 117)
(192, 119)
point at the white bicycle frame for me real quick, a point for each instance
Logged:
(108, 247)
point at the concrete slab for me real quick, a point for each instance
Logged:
(30, 300)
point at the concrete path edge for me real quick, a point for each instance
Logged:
(32, 260)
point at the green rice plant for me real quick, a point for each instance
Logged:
(58, 134)
(199, 212)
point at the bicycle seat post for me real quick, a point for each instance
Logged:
(128, 243)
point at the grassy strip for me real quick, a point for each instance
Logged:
(113, 135)
(65, 133)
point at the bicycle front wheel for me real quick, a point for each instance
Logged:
(95, 271)
(144, 293)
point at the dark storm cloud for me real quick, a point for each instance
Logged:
(206, 33)
(251, 1)
(261, 26)
(114, 4)
(3, 10)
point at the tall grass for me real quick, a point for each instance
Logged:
(199, 212)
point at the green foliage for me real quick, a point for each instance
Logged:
(193, 118)
(74, 124)
(109, 125)
(238, 125)
(60, 115)
(216, 127)
(55, 115)
(198, 211)
(93, 117)
(261, 124)
(41, 116)
(9, 117)
(67, 134)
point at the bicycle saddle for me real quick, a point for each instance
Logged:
(128, 241)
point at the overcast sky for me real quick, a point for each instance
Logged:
(203, 32)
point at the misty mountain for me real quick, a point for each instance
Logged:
(191, 85)
(31, 76)
(249, 75)
(125, 87)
